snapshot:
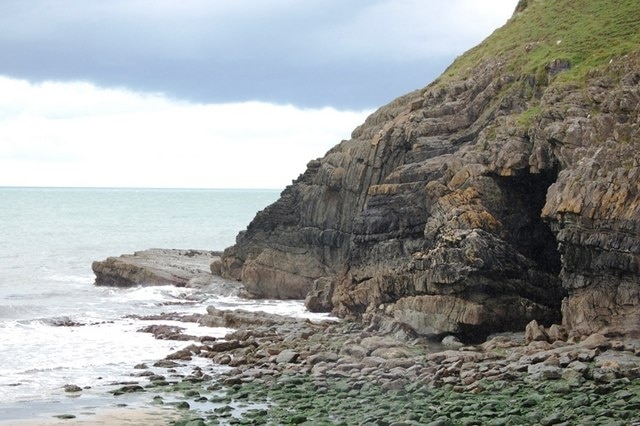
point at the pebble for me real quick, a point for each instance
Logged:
(308, 373)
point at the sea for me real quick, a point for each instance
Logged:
(58, 328)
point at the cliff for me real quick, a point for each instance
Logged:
(507, 190)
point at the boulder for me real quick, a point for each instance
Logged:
(535, 332)
(71, 388)
(557, 333)
(318, 298)
(287, 356)
(596, 341)
(242, 319)
(452, 342)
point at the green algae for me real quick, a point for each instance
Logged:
(298, 400)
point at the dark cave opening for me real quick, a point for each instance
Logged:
(526, 195)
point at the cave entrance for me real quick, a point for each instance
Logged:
(526, 195)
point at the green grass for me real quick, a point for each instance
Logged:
(526, 118)
(587, 33)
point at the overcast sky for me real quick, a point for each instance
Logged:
(209, 93)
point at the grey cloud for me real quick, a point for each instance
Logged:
(347, 54)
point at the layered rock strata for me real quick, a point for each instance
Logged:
(180, 268)
(485, 200)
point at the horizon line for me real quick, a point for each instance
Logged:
(139, 187)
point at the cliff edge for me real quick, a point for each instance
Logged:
(507, 190)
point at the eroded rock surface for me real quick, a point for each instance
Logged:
(474, 205)
(158, 267)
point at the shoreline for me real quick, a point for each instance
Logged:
(102, 416)
(75, 405)
(283, 370)
(276, 369)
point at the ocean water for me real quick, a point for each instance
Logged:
(48, 240)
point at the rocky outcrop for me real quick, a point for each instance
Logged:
(594, 207)
(181, 268)
(492, 197)
(329, 372)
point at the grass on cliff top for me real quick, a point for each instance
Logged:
(587, 33)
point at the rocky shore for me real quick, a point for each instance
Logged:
(281, 370)
(502, 194)
(275, 369)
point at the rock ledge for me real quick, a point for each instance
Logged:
(181, 268)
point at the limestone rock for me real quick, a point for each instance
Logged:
(240, 318)
(534, 332)
(287, 356)
(452, 342)
(544, 372)
(319, 297)
(557, 333)
(596, 341)
(161, 267)
(492, 197)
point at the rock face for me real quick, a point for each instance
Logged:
(156, 267)
(492, 197)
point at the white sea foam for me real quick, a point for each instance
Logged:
(47, 353)
(46, 357)
(12, 311)
(291, 308)
(50, 238)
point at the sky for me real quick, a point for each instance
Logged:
(209, 93)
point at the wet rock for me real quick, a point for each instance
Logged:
(622, 363)
(579, 366)
(287, 356)
(181, 355)
(183, 405)
(128, 389)
(355, 351)
(572, 376)
(241, 319)
(596, 341)
(372, 343)
(318, 298)
(552, 419)
(452, 342)
(392, 352)
(72, 388)
(167, 332)
(166, 364)
(161, 267)
(395, 385)
(63, 321)
(603, 375)
(223, 346)
(557, 333)
(322, 357)
(65, 416)
(535, 332)
(544, 372)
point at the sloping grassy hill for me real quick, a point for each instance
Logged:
(586, 33)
